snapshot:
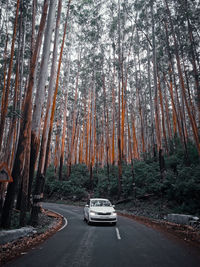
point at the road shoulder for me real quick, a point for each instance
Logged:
(21, 245)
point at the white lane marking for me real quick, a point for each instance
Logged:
(62, 217)
(118, 234)
(66, 222)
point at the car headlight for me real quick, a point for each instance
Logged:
(114, 213)
(92, 213)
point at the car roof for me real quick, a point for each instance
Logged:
(99, 199)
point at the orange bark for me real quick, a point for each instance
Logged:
(4, 108)
(56, 88)
(135, 143)
(163, 116)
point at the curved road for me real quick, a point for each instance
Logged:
(128, 244)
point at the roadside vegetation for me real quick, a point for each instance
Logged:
(177, 190)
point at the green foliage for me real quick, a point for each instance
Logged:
(74, 188)
(179, 185)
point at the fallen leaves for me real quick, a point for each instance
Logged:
(21, 246)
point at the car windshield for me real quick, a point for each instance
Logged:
(100, 203)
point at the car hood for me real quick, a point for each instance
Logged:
(102, 209)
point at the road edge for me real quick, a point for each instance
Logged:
(20, 246)
(184, 233)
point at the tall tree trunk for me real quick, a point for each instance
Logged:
(106, 127)
(193, 58)
(56, 91)
(23, 138)
(157, 112)
(42, 166)
(119, 106)
(7, 89)
(73, 127)
(40, 93)
(50, 91)
(162, 113)
(151, 101)
(4, 74)
(25, 181)
(192, 121)
(131, 157)
(63, 134)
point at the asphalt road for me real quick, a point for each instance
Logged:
(128, 244)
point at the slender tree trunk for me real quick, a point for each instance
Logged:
(23, 138)
(40, 93)
(56, 91)
(5, 73)
(7, 89)
(73, 127)
(193, 58)
(192, 121)
(106, 127)
(63, 135)
(157, 112)
(50, 91)
(25, 181)
(151, 101)
(163, 115)
(119, 106)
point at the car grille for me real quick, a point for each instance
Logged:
(102, 219)
(102, 213)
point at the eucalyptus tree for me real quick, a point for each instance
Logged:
(181, 78)
(25, 126)
(4, 107)
(188, 19)
(40, 178)
(18, 77)
(40, 89)
(87, 16)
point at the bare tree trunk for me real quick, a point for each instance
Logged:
(193, 122)
(73, 127)
(157, 115)
(106, 128)
(36, 120)
(193, 59)
(162, 113)
(5, 73)
(151, 101)
(23, 138)
(50, 91)
(119, 106)
(5, 106)
(63, 134)
(55, 93)
(25, 181)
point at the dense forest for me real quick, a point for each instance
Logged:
(99, 98)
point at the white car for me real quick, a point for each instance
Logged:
(99, 210)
